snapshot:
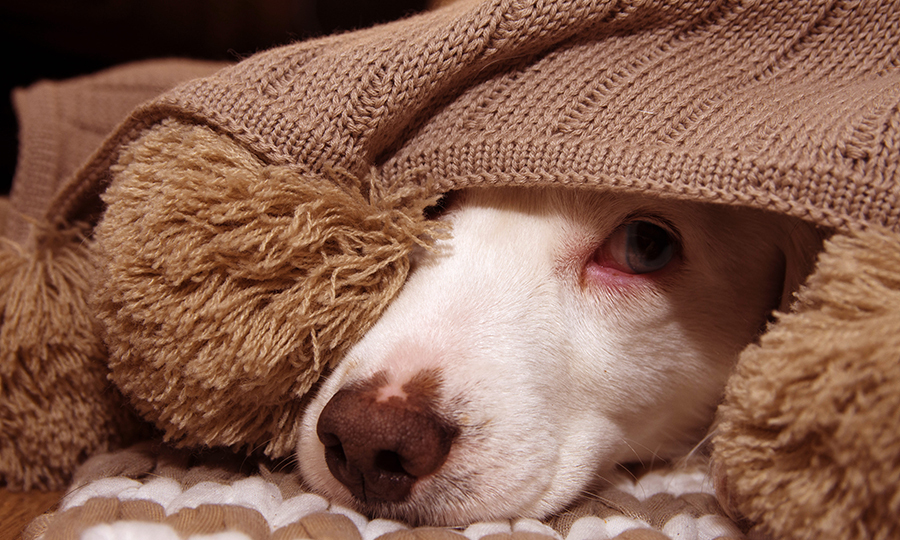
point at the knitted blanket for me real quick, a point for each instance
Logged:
(61, 123)
(787, 107)
(154, 492)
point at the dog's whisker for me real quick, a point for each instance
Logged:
(642, 453)
(699, 448)
(286, 464)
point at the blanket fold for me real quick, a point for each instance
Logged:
(61, 123)
(791, 108)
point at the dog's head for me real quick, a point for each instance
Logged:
(556, 334)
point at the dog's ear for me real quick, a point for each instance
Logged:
(801, 246)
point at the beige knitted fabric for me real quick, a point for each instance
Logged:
(61, 123)
(790, 106)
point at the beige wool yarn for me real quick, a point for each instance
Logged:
(807, 442)
(229, 285)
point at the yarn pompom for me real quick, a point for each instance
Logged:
(56, 405)
(807, 443)
(229, 284)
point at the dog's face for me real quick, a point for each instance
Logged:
(556, 334)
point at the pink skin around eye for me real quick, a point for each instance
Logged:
(605, 272)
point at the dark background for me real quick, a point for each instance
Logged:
(58, 39)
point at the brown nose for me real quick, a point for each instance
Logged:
(380, 448)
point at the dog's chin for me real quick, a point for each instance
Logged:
(444, 513)
(462, 515)
(440, 502)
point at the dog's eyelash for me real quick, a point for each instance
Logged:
(656, 220)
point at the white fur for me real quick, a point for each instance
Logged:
(556, 369)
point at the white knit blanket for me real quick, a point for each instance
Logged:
(148, 493)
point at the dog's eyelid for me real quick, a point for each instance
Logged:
(655, 219)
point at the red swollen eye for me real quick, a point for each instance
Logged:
(638, 247)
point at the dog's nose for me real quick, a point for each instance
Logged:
(379, 448)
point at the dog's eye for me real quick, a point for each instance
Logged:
(638, 247)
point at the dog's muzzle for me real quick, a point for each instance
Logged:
(379, 446)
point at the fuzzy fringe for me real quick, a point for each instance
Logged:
(56, 405)
(807, 442)
(229, 285)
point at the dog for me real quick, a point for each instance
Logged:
(556, 334)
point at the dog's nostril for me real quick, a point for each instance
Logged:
(379, 449)
(331, 442)
(334, 452)
(389, 462)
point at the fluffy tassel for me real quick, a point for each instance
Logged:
(56, 405)
(229, 285)
(807, 442)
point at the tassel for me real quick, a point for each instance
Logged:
(56, 404)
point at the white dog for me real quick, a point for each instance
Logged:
(557, 334)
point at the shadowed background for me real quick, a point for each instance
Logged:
(58, 39)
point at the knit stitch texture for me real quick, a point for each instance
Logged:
(792, 107)
(788, 106)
